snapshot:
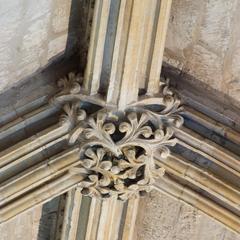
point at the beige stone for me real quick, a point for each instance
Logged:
(57, 46)
(162, 218)
(202, 40)
(36, 9)
(27, 29)
(60, 18)
(24, 226)
(139, 65)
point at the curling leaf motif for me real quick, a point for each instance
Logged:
(118, 149)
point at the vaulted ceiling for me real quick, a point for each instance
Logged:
(203, 41)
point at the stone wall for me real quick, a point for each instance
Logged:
(204, 40)
(32, 34)
(163, 218)
(23, 227)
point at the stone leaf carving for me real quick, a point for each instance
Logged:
(118, 148)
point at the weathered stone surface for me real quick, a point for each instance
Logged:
(28, 28)
(24, 226)
(215, 27)
(181, 29)
(32, 50)
(37, 9)
(57, 46)
(10, 22)
(61, 15)
(163, 218)
(203, 40)
(203, 62)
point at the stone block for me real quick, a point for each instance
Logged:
(182, 24)
(57, 46)
(205, 66)
(25, 32)
(61, 14)
(36, 34)
(215, 30)
(24, 226)
(164, 218)
(37, 8)
(234, 82)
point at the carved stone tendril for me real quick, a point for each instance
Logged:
(118, 149)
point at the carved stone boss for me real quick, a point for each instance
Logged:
(118, 149)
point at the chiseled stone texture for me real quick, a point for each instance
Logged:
(23, 227)
(203, 40)
(32, 33)
(163, 218)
